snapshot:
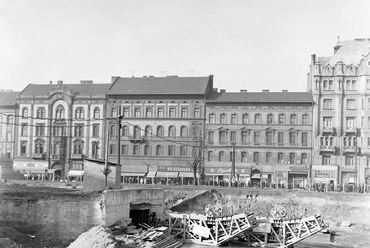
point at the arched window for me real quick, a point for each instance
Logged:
(245, 119)
(24, 130)
(23, 148)
(171, 131)
(148, 131)
(125, 131)
(79, 113)
(281, 119)
(94, 150)
(39, 146)
(304, 158)
(293, 119)
(211, 118)
(25, 112)
(160, 131)
(40, 113)
(96, 113)
(234, 118)
(221, 156)
(136, 132)
(257, 119)
(78, 147)
(196, 132)
(270, 119)
(305, 119)
(9, 120)
(159, 150)
(59, 112)
(184, 131)
(113, 131)
(223, 118)
(56, 148)
(147, 150)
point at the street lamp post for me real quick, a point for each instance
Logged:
(118, 167)
(232, 165)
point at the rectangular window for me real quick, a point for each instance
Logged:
(328, 122)
(269, 138)
(197, 113)
(368, 83)
(245, 137)
(350, 122)
(362, 122)
(330, 87)
(245, 118)
(222, 137)
(257, 138)
(40, 129)
(125, 112)
(325, 85)
(137, 112)
(292, 158)
(184, 113)
(79, 130)
(326, 160)
(234, 118)
(135, 150)
(280, 158)
(350, 160)
(292, 138)
(172, 112)
(304, 138)
(233, 136)
(148, 112)
(211, 137)
(280, 138)
(328, 104)
(171, 150)
(257, 119)
(212, 118)
(281, 119)
(210, 156)
(368, 122)
(113, 112)
(160, 113)
(304, 159)
(244, 156)
(24, 130)
(182, 151)
(95, 130)
(124, 149)
(112, 149)
(269, 119)
(268, 157)
(351, 104)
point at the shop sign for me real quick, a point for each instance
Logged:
(298, 168)
(174, 168)
(225, 170)
(134, 168)
(348, 168)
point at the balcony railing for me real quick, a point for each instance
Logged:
(37, 155)
(351, 130)
(349, 149)
(325, 148)
(136, 139)
(327, 129)
(77, 156)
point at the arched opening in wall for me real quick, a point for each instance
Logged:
(56, 171)
(255, 178)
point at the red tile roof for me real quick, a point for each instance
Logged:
(159, 86)
(8, 98)
(259, 97)
(77, 89)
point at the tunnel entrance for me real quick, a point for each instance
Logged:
(140, 213)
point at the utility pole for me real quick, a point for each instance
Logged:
(106, 160)
(356, 169)
(232, 164)
(118, 167)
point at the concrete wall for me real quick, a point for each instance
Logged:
(94, 179)
(116, 203)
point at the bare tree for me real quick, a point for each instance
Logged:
(196, 160)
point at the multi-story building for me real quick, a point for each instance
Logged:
(270, 133)
(58, 125)
(8, 108)
(162, 125)
(340, 85)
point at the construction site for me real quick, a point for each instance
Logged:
(36, 214)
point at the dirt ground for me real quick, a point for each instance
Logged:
(13, 235)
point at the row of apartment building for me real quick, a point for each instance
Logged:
(160, 125)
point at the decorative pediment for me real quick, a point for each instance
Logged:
(60, 88)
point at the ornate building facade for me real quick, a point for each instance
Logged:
(340, 85)
(57, 126)
(270, 133)
(8, 111)
(162, 126)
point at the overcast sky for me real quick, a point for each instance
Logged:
(245, 44)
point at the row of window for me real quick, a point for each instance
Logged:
(257, 119)
(60, 112)
(349, 85)
(349, 160)
(149, 112)
(270, 137)
(159, 131)
(159, 150)
(257, 158)
(350, 104)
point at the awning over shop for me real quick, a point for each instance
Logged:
(135, 169)
(133, 174)
(244, 175)
(265, 176)
(256, 176)
(75, 173)
(298, 172)
(151, 174)
(186, 174)
(167, 174)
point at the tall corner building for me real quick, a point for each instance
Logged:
(340, 85)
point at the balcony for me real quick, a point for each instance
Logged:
(77, 156)
(23, 154)
(37, 155)
(349, 149)
(327, 129)
(351, 130)
(327, 148)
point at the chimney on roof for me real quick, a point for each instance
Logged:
(8, 90)
(243, 90)
(284, 91)
(1, 90)
(360, 39)
(222, 90)
(82, 81)
(114, 78)
(60, 82)
(265, 91)
(215, 89)
(50, 82)
(172, 76)
(144, 76)
(151, 76)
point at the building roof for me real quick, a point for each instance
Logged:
(170, 85)
(350, 52)
(77, 89)
(259, 97)
(8, 98)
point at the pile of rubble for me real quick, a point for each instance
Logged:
(119, 236)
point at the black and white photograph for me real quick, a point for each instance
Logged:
(184, 123)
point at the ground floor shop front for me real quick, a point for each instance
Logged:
(252, 175)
